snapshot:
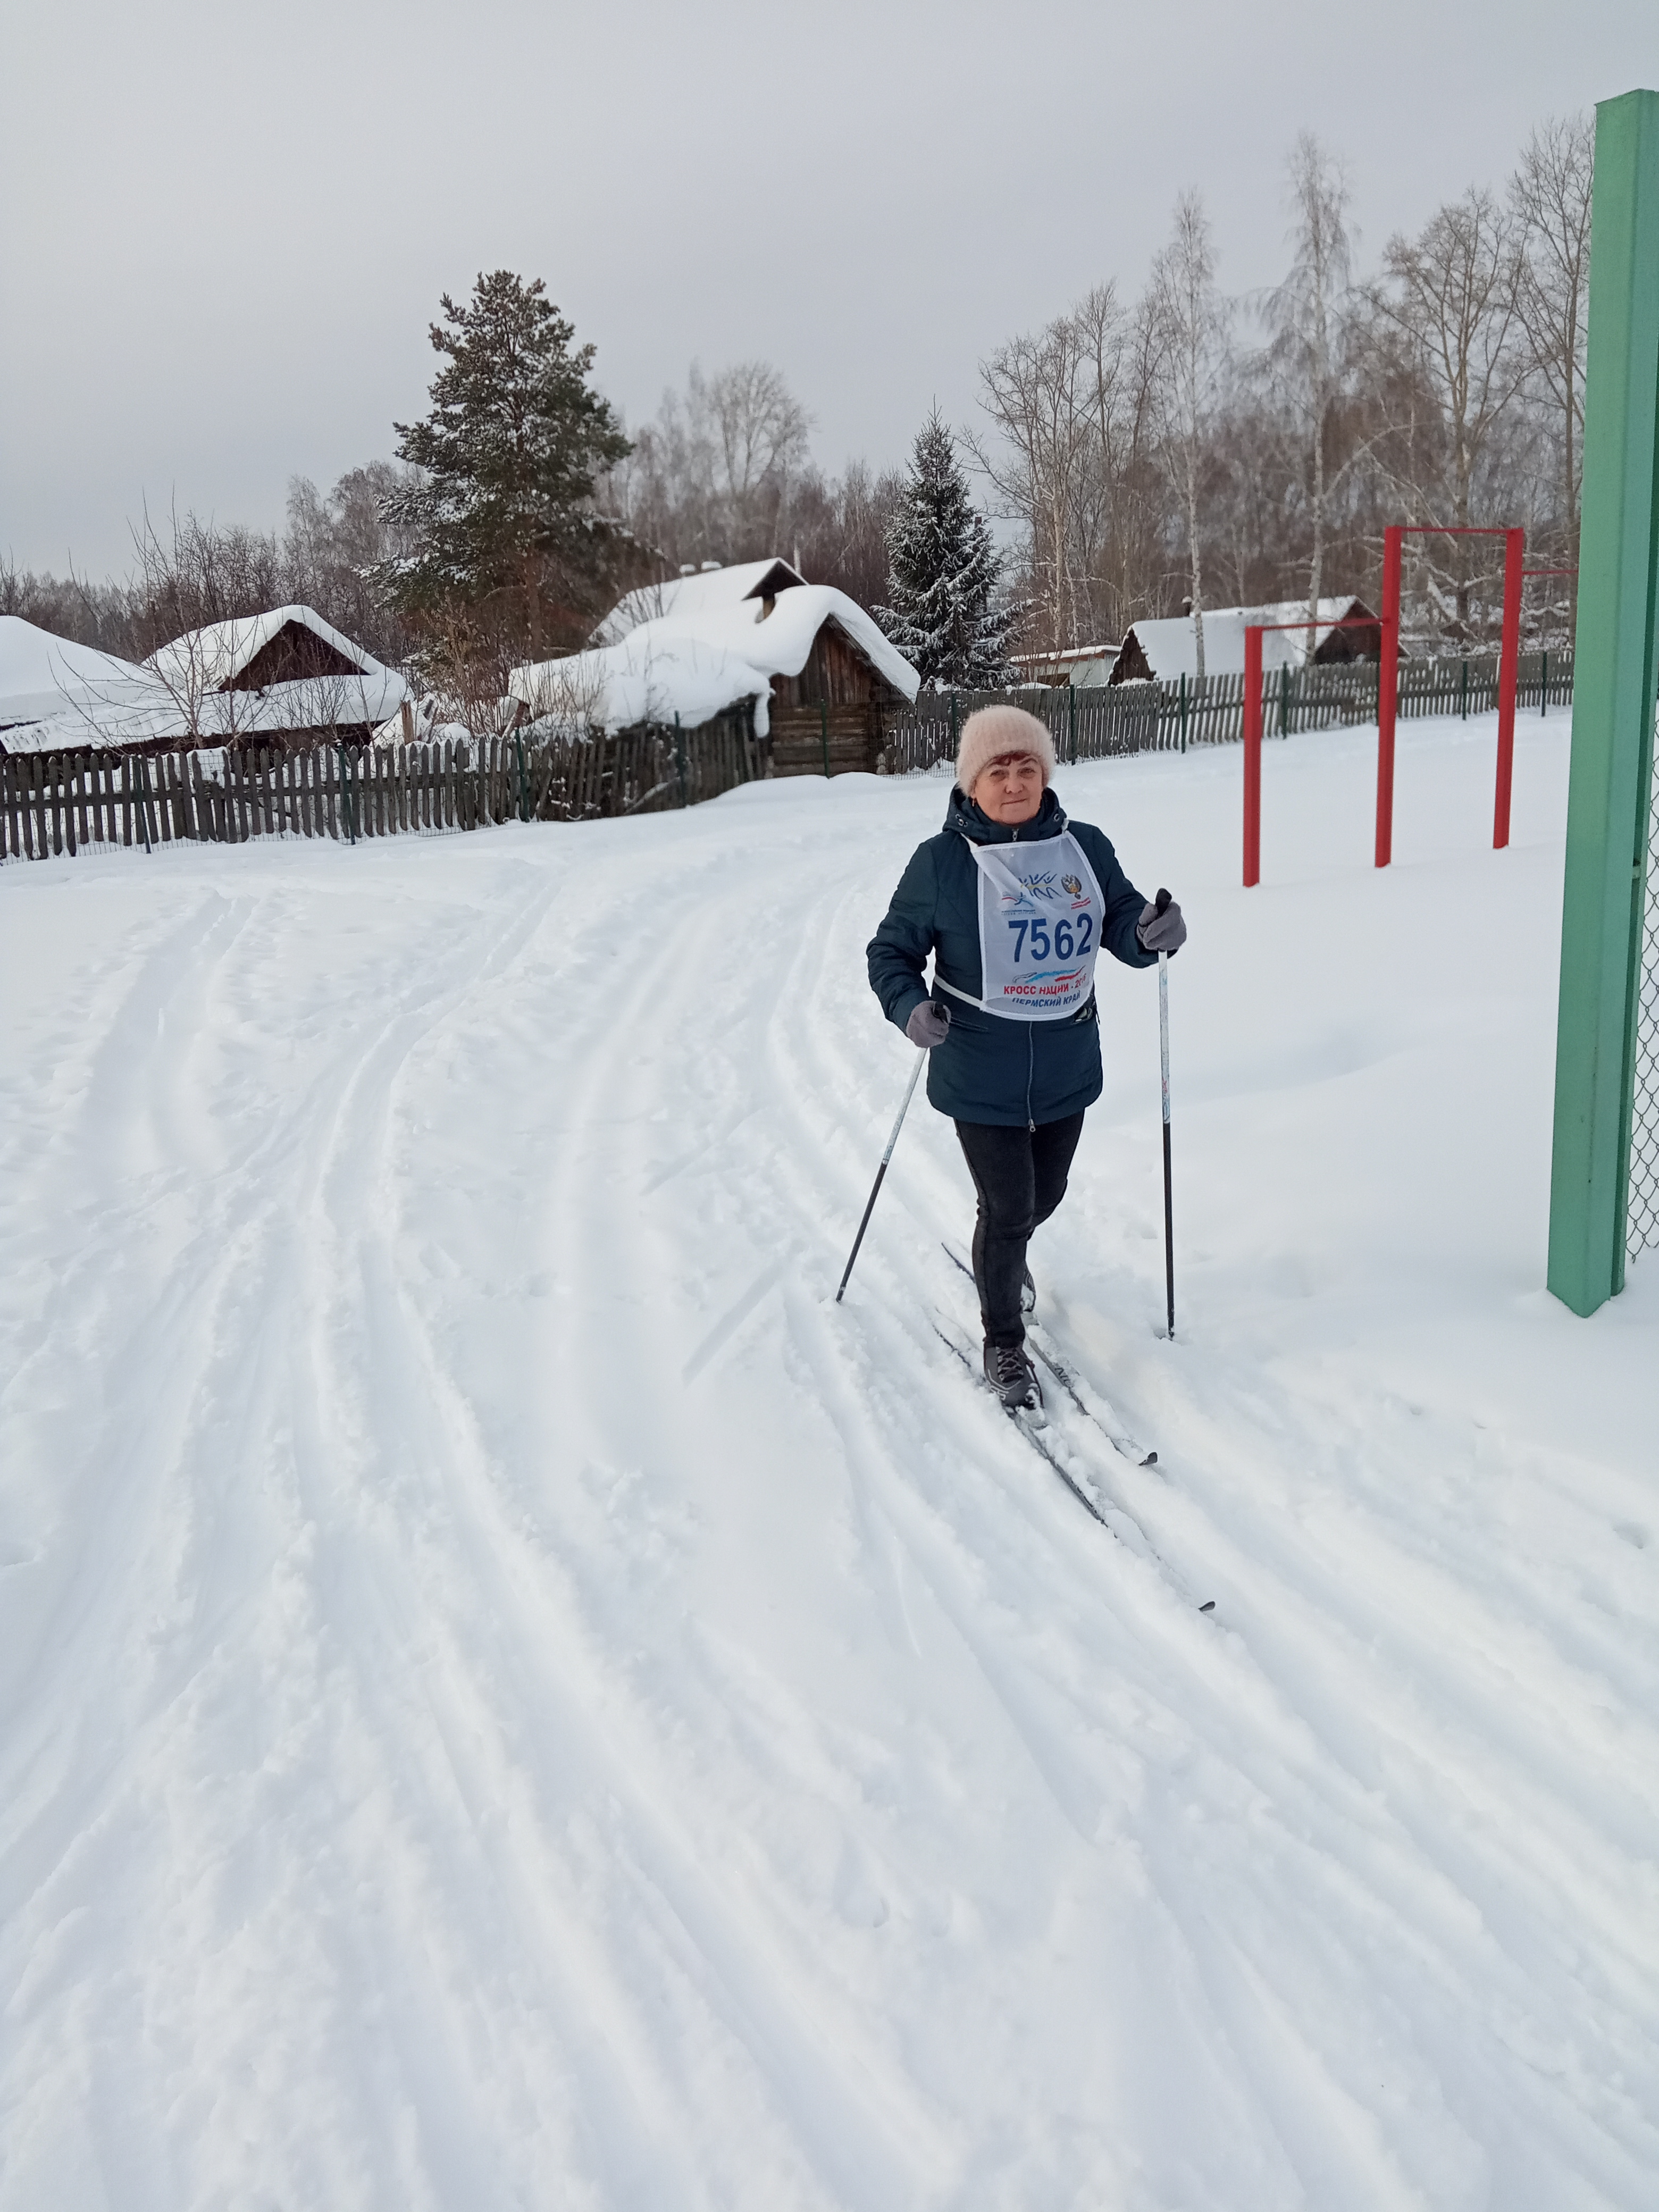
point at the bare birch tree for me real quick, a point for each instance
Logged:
(1452, 297)
(1194, 322)
(1307, 315)
(1120, 525)
(1550, 196)
(711, 477)
(1032, 389)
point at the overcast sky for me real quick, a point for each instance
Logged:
(224, 229)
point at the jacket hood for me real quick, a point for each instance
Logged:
(962, 816)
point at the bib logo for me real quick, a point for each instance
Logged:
(1040, 885)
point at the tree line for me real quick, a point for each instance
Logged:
(1187, 445)
(1191, 446)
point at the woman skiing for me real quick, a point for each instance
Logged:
(1014, 902)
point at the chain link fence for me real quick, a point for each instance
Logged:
(1642, 1215)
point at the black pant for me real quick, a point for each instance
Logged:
(1020, 1177)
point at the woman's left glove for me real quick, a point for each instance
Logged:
(929, 1025)
(1161, 932)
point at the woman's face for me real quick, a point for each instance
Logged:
(1010, 789)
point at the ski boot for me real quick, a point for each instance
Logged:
(1009, 1371)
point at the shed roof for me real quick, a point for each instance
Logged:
(1170, 643)
(705, 591)
(700, 659)
(212, 658)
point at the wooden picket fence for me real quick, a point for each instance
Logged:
(1098, 724)
(68, 802)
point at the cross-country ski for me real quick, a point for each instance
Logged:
(1125, 1445)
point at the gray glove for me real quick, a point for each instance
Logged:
(1160, 928)
(929, 1025)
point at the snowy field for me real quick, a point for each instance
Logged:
(509, 1697)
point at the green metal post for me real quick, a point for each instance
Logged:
(1463, 690)
(1610, 776)
(1544, 687)
(524, 799)
(1071, 707)
(1184, 710)
(1284, 700)
(824, 731)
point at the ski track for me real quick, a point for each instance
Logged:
(512, 1697)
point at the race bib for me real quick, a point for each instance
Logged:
(1039, 928)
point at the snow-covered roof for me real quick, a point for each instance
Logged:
(696, 594)
(151, 714)
(1078, 665)
(58, 697)
(1171, 644)
(41, 675)
(700, 659)
(208, 660)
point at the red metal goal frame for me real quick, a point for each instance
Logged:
(1253, 635)
(1388, 689)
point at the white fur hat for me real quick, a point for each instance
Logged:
(992, 732)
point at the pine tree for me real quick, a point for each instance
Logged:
(943, 569)
(508, 541)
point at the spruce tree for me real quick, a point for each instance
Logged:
(943, 569)
(508, 540)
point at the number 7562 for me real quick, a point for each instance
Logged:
(1067, 945)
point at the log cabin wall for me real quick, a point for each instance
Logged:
(836, 706)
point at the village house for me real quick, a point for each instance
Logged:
(1165, 650)
(283, 677)
(815, 673)
(1075, 668)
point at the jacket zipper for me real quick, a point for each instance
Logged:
(1030, 1051)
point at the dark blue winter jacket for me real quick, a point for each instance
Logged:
(990, 1068)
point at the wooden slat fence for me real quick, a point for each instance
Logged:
(66, 802)
(1096, 724)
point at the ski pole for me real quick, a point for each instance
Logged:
(1161, 902)
(875, 1187)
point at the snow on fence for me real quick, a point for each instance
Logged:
(52, 803)
(1096, 724)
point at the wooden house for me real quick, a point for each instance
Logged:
(1164, 650)
(817, 674)
(284, 677)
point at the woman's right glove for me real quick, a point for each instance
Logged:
(929, 1025)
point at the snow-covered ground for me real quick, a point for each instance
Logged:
(509, 1696)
